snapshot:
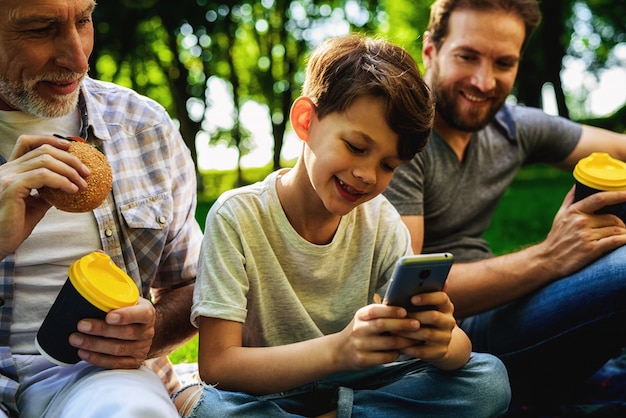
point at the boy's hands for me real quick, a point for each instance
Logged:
(372, 337)
(379, 333)
(432, 339)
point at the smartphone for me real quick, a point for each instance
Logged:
(416, 274)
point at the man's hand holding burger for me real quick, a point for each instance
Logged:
(99, 180)
(36, 162)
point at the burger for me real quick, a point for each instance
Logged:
(99, 182)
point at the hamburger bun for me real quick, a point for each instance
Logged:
(98, 182)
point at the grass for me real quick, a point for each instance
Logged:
(188, 353)
(523, 217)
(525, 213)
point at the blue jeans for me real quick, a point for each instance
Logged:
(410, 388)
(558, 336)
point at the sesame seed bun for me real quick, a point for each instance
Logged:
(98, 182)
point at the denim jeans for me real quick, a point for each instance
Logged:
(410, 388)
(555, 338)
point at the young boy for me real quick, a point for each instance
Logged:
(290, 266)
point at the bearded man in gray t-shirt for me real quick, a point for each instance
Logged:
(554, 311)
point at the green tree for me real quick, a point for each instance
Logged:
(542, 60)
(405, 23)
(136, 46)
(259, 48)
(263, 53)
(170, 50)
(571, 29)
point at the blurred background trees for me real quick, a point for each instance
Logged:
(228, 71)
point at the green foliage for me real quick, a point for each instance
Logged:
(218, 181)
(405, 24)
(169, 50)
(604, 28)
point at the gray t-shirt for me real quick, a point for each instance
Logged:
(257, 270)
(458, 199)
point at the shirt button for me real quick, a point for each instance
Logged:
(108, 232)
(161, 220)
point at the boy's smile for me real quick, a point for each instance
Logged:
(348, 192)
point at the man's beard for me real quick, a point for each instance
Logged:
(23, 96)
(466, 120)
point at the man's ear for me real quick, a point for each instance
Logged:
(428, 49)
(302, 112)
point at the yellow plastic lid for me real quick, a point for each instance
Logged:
(602, 172)
(102, 283)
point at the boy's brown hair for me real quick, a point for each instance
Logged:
(440, 11)
(345, 68)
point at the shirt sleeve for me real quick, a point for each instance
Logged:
(545, 138)
(406, 190)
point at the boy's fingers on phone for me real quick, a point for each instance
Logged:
(389, 341)
(439, 300)
(433, 321)
(401, 326)
(378, 311)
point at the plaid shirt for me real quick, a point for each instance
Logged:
(147, 224)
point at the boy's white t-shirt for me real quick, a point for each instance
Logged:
(42, 261)
(257, 270)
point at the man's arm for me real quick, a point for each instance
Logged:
(576, 238)
(172, 326)
(594, 139)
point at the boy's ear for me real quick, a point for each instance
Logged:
(302, 111)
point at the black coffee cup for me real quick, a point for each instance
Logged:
(600, 172)
(95, 286)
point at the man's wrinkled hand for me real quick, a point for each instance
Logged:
(121, 341)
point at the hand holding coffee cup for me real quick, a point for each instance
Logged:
(599, 172)
(95, 286)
